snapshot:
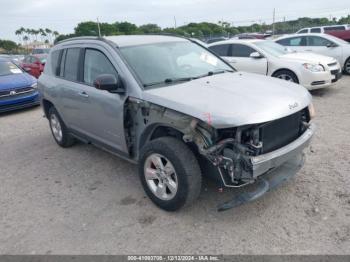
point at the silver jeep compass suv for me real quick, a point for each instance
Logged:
(179, 111)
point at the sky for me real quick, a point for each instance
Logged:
(64, 15)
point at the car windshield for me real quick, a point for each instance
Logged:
(272, 48)
(8, 68)
(167, 63)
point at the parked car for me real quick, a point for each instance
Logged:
(215, 39)
(16, 59)
(17, 88)
(340, 31)
(320, 44)
(268, 58)
(176, 109)
(34, 65)
(40, 51)
(251, 36)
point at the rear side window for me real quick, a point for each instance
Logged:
(239, 50)
(315, 30)
(71, 64)
(55, 62)
(334, 28)
(220, 50)
(294, 41)
(318, 41)
(95, 64)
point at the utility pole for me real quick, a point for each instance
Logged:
(98, 26)
(273, 21)
(174, 22)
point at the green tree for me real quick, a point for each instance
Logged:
(150, 29)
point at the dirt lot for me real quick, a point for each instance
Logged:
(83, 200)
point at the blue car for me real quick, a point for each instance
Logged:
(17, 88)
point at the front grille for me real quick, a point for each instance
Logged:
(334, 72)
(280, 132)
(332, 64)
(17, 90)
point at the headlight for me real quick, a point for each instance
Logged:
(312, 112)
(314, 67)
(35, 85)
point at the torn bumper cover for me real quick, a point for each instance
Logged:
(271, 169)
(266, 183)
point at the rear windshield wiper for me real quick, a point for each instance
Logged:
(170, 81)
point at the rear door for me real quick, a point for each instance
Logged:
(72, 93)
(323, 46)
(240, 56)
(222, 50)
(296, 43)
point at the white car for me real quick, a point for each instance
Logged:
(268, 58)
(323, 29)
(321, 44)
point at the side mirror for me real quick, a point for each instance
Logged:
(109, 83)
(329, 45)
(256, 55)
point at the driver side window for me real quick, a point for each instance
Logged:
(95, 64)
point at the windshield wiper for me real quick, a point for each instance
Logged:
(170, 81)
(210, 73)
(185, 79)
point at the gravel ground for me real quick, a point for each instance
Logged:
(82, 200)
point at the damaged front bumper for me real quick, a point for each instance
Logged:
(266, 182)
(263, 163)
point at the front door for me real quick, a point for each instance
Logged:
(103, 111)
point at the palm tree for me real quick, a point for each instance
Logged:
(42, 34)
(55, 33)
(36, 33)
(48, 32)
(18, 34)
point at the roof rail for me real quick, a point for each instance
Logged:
(81, 38)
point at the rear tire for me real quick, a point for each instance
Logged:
(169, 173)
(59, 130)
(286, 75)
(347, 66)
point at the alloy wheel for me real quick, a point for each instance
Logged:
(56, 127)
(161, 176)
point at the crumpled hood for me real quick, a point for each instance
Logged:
(232, 99)
(16, 81)
(305, 57)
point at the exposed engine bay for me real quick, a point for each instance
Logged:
(228, 151)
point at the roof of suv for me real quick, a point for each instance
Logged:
(132, 40)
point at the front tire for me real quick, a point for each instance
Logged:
(286, 75)
(59, 130)
(169, 173)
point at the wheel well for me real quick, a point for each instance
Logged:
(153, 132)
(46, 105)
(285, 69)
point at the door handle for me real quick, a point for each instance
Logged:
(233, 61)
(83, 94)
(308, 50)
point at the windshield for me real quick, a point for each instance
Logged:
(8, 68)
(165, 63)
(272, 48)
